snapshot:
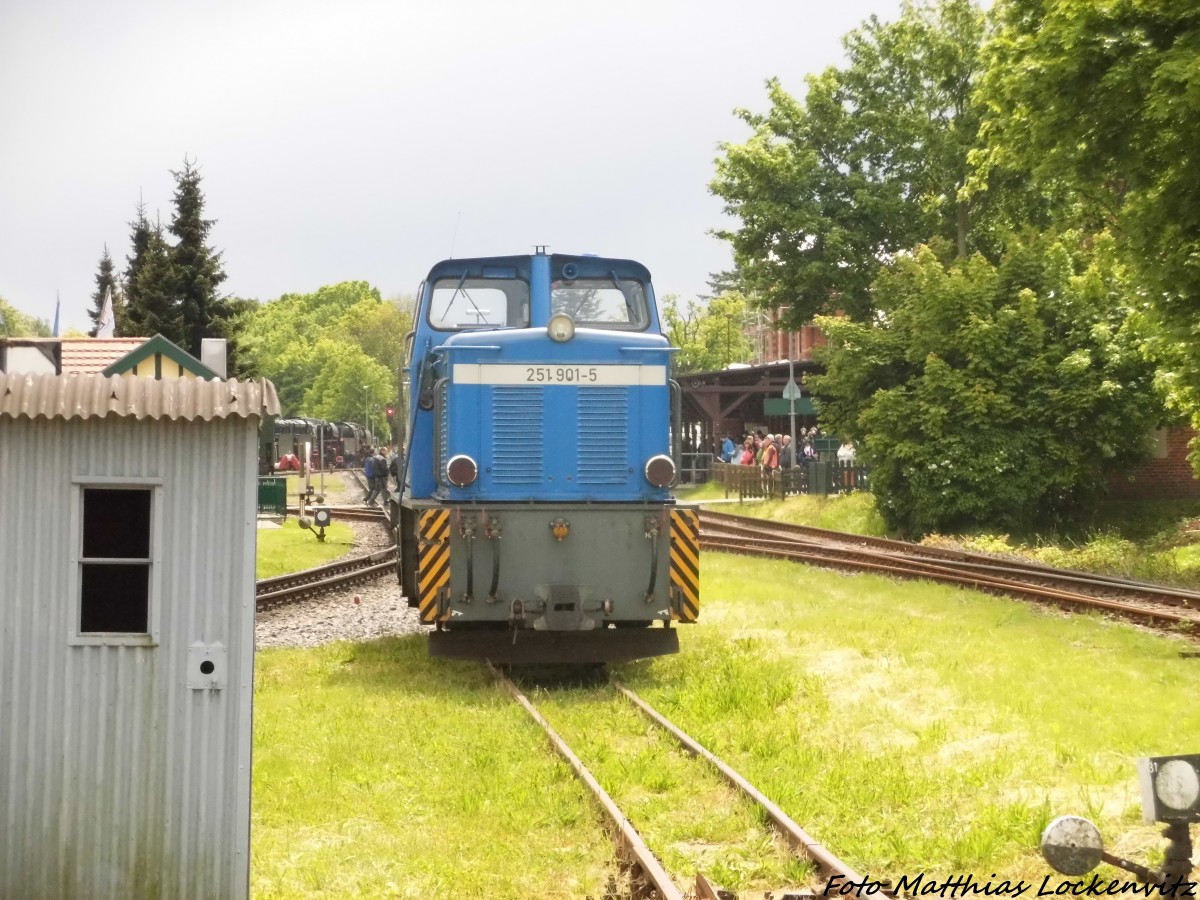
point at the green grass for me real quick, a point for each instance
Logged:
(909, 727)
(291, 548)
(854, 513)
(381, 773)
(334, 481)
(697, 493)
(914, 727)
(1169, 555)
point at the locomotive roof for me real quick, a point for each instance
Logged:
(491, 266)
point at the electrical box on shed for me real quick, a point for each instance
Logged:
(206, 666)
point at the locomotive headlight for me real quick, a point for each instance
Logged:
(461, 470)
(561, 327)
(660, 470)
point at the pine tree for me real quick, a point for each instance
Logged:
(197, 267)
(106, 282)
(141, 234)
(156, 287)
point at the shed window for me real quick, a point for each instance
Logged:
(115, 562)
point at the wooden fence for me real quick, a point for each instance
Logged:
(825, 477)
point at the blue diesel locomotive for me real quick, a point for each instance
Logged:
(536, 521)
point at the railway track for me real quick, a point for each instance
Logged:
(1138, 601)
(337, 574)
(649, 875)
(283, 589)
(355, 513)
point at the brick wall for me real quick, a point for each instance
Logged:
(1167, 474)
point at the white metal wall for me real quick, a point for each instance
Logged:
(116, 778)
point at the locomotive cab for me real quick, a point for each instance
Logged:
(536, 520)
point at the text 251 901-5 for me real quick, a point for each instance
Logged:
(561, 374)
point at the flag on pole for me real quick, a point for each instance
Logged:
(104, 327)
(57, 304)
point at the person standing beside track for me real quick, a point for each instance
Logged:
(728, 450)
(368, 467)
(379, 466)
(770, 454)
(393, 466)
(747, 457)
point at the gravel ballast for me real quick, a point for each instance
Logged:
(360, 612)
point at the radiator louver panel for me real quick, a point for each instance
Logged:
(518, 424)
(603, 435)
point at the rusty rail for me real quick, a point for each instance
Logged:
(288, 588)
(801, 841)
(629, 842)
(785, 530)
(894, 558)
(631, 845)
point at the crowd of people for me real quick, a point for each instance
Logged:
(771, 452)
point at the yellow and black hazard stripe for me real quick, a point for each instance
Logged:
(685, 565)
(433, 561)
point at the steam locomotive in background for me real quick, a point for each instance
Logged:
(338, 440)
(535, 517)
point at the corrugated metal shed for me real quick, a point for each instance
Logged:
(84, 396)
(124, 767)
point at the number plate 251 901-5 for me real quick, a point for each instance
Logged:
(573, 375)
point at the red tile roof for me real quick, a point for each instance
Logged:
(88, 356)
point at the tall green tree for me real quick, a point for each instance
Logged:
(872, 162)
(288, 318)
(14, 323)
(239, 313)
(351, 317)
(141, 238)
(378, 326)
(994, 396)
(350, 386)
(1104, 95)
(157, 310)
(709, 336)
(197, 266)
(107, 284)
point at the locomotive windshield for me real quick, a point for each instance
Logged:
(461, 303)
(601, 302)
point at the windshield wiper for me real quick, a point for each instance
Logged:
(459, 288)
(450, 302)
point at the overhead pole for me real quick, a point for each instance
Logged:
(367, 413)
(790, 393)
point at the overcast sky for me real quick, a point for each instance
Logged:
(350, 139)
